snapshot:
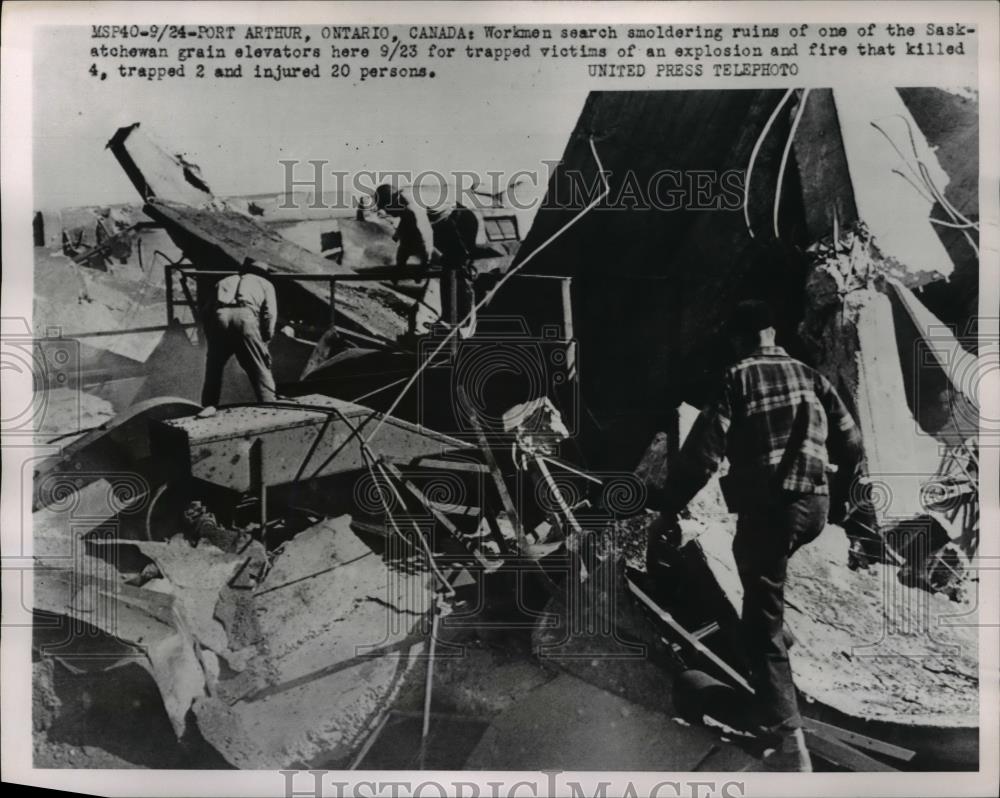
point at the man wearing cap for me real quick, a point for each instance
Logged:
(240, 320)
(779, 422)
(451, 230)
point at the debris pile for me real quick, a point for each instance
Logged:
(279, 574)
(251, 662)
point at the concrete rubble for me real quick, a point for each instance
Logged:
(285, 640)
(254, 668)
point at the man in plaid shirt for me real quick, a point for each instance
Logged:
(777, 420)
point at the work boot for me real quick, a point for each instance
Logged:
(791, 755)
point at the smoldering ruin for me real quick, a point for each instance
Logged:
(430, 550)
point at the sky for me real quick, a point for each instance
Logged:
(475, 118)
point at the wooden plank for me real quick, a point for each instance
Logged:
(450, 465)
(858, 740)
(700, 761)
(689, 638)
(844, 755)
(457, 509)
(831, 742)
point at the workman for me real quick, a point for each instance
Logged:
(449, 229)
(780, 423)
(240, 320)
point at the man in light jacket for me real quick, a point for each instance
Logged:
(240, 321)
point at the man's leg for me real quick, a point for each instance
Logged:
(447, 242)
(764, 542)
(215, 362)
(467, 227)
(254, 357)
(761, 551)
(455, 237)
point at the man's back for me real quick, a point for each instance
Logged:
(774, 398)
(250, 291)
(765, 399)
(779, 422)
(240, 321)
(242, 289)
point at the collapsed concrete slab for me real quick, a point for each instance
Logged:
(282, 657)
(334, 629)
(905, 377)
(214, 235)
(292, 673)
(70, 300)
(891, 166)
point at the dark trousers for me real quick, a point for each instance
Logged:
(766, 536)
(455, 239)
(236, 331)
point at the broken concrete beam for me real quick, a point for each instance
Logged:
(309, 438)
(215, 235)
(153, 172)
(889, 161)
(899, 458)
(944, 377)
(221, 238)
(851, 331)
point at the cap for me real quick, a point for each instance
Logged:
(386, 197)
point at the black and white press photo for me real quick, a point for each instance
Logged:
(491, 400)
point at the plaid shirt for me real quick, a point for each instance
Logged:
(751, 423)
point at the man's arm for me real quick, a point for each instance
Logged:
(843, 437)
(415, 226)
(424, 226)
(411, 238)
(844, 445)
(700, 455)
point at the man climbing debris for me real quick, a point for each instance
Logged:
(779, 422)
(451, 230)
(240, 320)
